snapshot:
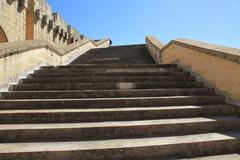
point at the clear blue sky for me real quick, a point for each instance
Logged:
(129, 21)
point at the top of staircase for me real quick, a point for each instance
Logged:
(127, 54)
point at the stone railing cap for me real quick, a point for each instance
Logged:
(82, 42)
(206, 45)
(228, 53)
(154, 41)
(8, 49)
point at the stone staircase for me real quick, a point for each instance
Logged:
(116, 104)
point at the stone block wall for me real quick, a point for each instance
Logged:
(18, 18)
(12, 21)
(41, 30)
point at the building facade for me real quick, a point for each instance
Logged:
(34, 20)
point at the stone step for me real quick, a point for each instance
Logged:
(114, 130)
(111, 67)
(104, 86)
(95, 60)
(109, 79)
(105, 93)
(108, 70)
(107, 60)
(112, 114)
(111, 61)
(235, 156)
(137, 148)
(104, 74)
(113, 57)
(114, 53)
(110, 102)
(72, 66)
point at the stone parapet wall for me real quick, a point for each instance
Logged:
(154, 46)
(46, 24)
(217, 66)
(17, 59)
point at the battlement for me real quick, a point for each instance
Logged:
(34, 20)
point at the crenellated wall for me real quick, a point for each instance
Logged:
(35, 20)
(12, 21)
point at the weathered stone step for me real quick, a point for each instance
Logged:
(108, 70)
(110, 102)
(110, 54)
(104, 93)
(112, 114)
(113, 68)
(178, 146)
(104, 74)
(104, 86)
(72, 66)
(114, 59)
(114, 130)
(111, 60)
(109, 79)
(235, 156)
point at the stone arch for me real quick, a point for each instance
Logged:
(3, 36)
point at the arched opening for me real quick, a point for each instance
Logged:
(3, 37)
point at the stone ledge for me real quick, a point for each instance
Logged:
(231, 54)
(9, 49)
(155, 42)
(73, 46)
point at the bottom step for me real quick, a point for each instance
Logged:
(143, 148)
